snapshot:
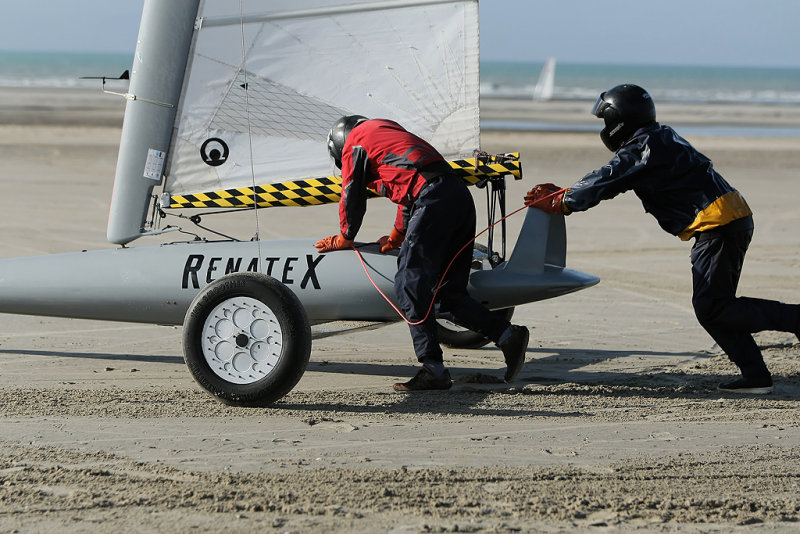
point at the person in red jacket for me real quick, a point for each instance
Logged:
(435, 219)
(680, 187)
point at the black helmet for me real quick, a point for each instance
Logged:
(338, 135)
(624, 108)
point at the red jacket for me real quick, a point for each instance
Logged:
(381, 155)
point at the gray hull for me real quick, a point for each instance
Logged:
(156, 284)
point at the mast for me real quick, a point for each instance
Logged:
(162, 51)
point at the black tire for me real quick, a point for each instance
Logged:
(454, 336)
(261, 324)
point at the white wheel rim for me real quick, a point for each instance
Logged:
(449, 325)
(242, 340)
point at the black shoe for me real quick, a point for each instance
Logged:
(758, 385)
(424, 380)
(514, 350)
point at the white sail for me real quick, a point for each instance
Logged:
(266, 81)
(544, 86)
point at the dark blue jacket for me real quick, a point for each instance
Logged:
(676, 184)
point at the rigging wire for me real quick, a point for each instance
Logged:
(196, 219)
(439, 285)
(250, 134)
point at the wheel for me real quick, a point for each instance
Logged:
(458, 337)
(246, 339)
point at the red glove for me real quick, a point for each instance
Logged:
(389, 242)
(334, 242)
(546, 197)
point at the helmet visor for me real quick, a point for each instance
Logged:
(600, 106)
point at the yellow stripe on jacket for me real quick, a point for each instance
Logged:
(727, 208)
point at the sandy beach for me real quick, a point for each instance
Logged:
(614, 424)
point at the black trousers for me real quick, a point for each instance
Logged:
(717, 257)
(442, 220)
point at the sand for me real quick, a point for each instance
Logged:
(613, 426)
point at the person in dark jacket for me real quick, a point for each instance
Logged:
(435, 219)
(680, 187)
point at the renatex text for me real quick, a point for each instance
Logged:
(285, 270)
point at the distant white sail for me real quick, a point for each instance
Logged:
(271, 83)
(544, 87)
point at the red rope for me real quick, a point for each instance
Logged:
(439, 285)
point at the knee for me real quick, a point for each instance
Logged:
(446, 303)
(709, 312)
(703, 311)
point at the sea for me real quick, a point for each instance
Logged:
(499, 79)
(666, 83)
(60, 69)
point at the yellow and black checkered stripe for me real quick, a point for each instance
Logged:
(316, 191)
(487, 166)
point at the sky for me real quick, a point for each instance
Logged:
(667, 32)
